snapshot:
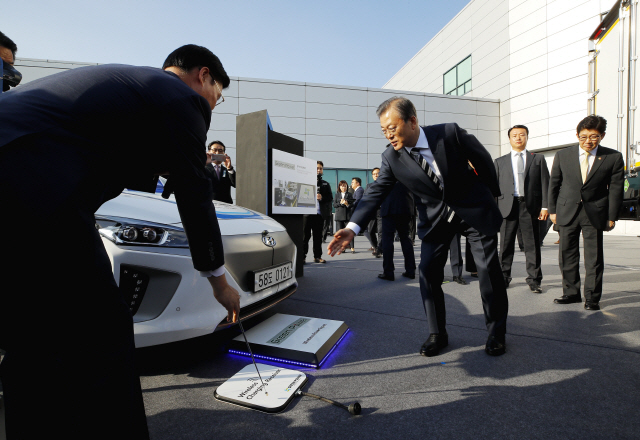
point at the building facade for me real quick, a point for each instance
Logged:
(337, 124)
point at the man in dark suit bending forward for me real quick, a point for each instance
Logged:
(433, 162)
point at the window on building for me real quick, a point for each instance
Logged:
(457, 81)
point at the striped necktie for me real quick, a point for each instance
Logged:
(447, 212)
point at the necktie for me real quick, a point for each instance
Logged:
(520, 168)
(218, 171)
(447, 212)
(584, 167)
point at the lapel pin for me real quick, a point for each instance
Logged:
(599, 158)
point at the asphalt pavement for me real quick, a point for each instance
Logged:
(568, 372)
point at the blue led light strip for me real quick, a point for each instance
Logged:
(286, 361)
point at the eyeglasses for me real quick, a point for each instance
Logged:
(593, 137)
(390, 130)
(221, 98)
(217, 150)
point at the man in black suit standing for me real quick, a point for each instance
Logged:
(312, 223)
(396, 211)
(67, 330)
(524, 184)
(222, 177)
(585, 194)
(433, 163)
(374, 228)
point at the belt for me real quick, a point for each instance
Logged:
(519, 199)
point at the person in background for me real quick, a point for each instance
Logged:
(222, 177)
(396, 213)
(10, 76)
(374, 228)
(358, 192)
(585, 195)
(342, 204)
(455, 259)
(312, 223)
(524, 184)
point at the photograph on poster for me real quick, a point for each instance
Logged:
(294, 184)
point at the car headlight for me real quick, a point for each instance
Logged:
(125, 231)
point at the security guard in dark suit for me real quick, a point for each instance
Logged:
(70, 367)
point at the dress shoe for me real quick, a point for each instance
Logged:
(564, 299)
(591, 305)
(507, 281)
(435, 343)
(371, 249)
(474, 274)
(459, 280)
(388, 277)
(535, 288)
(377, 254)
(409, 275)
(319, 260)
(494, 347)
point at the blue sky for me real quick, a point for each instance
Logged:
(357, 43)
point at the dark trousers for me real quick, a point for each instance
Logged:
(69, 367)
(326, 227)
(391, 224)
(313, 223)
(374, 232)
(455, 256)
(530, 227)
(569, 257)
(468, 256)
(435, 248)
(343, 224)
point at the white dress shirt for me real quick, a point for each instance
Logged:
(592, 157)
(423, 146)
(517, 192)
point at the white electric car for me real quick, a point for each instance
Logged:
(152, 264)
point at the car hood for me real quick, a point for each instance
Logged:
(153, 208)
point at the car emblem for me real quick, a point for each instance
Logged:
(269, 240)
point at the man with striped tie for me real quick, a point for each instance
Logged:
(455, 185)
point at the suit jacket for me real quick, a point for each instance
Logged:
(357, 196)
(398, 202)
(324, 188)
(221, 187)
(601, 194)
(94, 125)
(471, 196)
(536, 183)
(343, 213)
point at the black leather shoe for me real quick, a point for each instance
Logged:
(507, 281)
(459, 280)
(535, 288)
(564, 299)
(591, 305)
(388, 277)
(319, 260)
(435, 343)
(494, 347)
(409, 275)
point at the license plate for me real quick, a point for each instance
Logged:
(271, 276)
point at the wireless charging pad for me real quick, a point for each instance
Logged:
(245, 388)
(296, 340)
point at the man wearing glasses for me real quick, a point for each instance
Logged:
(585, 194)
(66, 329)
(222, 177)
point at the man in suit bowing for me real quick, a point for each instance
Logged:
(433, 163)
(585, 194)
(222, 177)
(524, 183)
